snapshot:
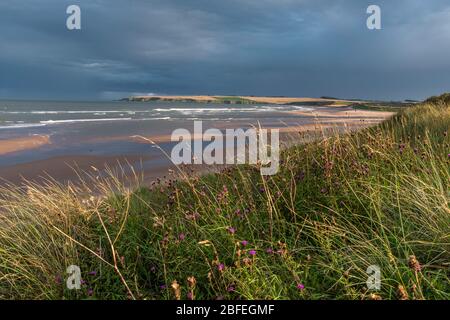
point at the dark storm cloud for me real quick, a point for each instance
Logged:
(259, 47)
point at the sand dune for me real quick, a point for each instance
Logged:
(271, 100)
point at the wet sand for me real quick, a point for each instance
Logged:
(63, 169)
(323, 119)
(23, 143)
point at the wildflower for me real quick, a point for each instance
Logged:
(269, 250)
(244, 243)
(300, 286)
(58, 279)
(181, 236)
(401, 293)
(375, 297)
(176, 289)
(231, 288)
(252, 252)
(163, 287)
(414, 264)
(90, 292)
(192, 282)
(232, 230)
(247, 261)
(448, 156)
(93, 273)
(221, 267)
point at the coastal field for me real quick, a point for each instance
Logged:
(339, 205)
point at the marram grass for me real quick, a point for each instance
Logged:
(338, 205)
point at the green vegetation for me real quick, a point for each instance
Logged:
(388, 106)
(233, 100)
(337, 206)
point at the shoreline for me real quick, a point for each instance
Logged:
(60, 167)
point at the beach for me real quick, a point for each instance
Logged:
(98, 138)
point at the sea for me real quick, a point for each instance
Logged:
(105, 128)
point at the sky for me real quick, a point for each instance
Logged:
(298, 48)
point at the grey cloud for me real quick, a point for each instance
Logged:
(260, 47)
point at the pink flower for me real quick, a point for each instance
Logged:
(221, 267)
(269, 250)
(252, 252)
(231, 230)
(300, 286)
(244, 243)
(181, 236)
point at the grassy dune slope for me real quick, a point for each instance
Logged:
(337, 206)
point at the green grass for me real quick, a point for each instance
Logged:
(389, 107)
(338, 205)
(233, 100)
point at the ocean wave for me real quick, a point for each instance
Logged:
(302, 108)
(218, 110)
(83, 120)
(22, 125)
(130, 112)
(159, 118)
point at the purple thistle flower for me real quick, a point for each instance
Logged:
(300, 286)
(58, 279)
(221, 267)
(231, 230)
(90, 292)
(448, 155)
(93, 273)
(244, 243)
(189, 295)
(163, 287)
(181, 236)
(231, 288)
(252, 252)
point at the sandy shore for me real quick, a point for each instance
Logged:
(322, 119)
(62, 168)
(65, 168)
(23, 143)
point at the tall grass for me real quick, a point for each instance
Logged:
(339, 205)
